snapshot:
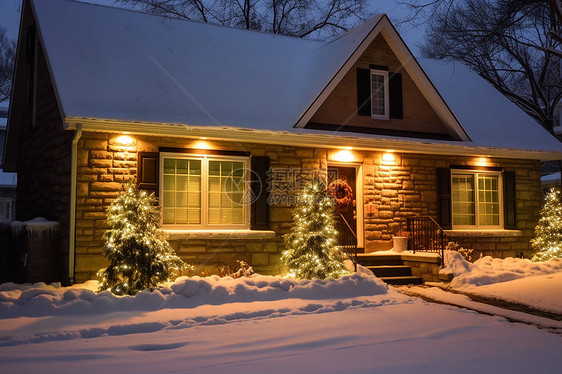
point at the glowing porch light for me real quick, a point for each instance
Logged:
(125, 140)
(201, 144)
(344, 156)
(482, 161)
(388, 158)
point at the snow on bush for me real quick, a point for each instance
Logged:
(488, 270)
(43, 300)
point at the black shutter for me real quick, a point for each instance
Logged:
(444, 193)
(395, 95)
(147, 171)
(509, 201)
(363, 92)
(259, 188)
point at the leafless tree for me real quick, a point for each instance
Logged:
(318, 19)
(556, 34)
(7, 59)
(506, 42)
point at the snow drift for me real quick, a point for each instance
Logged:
(488, 270)
(45, 300)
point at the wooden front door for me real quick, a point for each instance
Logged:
(342, 184)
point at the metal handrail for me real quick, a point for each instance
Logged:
(347, 243)
(426, 235)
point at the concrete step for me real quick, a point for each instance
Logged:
(378, 260)
(391, 270)
(402, 280)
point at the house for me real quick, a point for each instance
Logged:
(7, 180)
(225, 126)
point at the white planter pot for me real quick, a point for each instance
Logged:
(399, 244)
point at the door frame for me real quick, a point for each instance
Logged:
(358, 196)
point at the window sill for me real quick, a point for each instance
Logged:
(483, 233)
(170, 234)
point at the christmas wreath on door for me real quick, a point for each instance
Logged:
(342, 194)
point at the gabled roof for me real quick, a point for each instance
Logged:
(348, 48)
(125, 68)
(178, 71)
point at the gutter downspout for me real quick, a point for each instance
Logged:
(73, 174)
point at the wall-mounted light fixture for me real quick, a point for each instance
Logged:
(344, 155)
(201, 143)
(388, 158)
(125, 140)
(482, 161)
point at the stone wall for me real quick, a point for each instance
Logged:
(409, 188)
(404, 188)
(425, 267)
(105, 163)
(515, 245)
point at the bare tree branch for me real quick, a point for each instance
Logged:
(318, 19)
(7, 61)
(512, 44)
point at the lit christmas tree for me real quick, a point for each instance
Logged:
(139, 256)
(548, 232)
(311, 243)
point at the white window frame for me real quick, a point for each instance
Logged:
(205, 225)
(386, 114)
(477, 225)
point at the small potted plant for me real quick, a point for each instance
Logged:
(400, 241)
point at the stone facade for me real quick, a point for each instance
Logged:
(425, 267)
(391, 193)
(409, 188)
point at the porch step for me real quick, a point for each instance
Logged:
(391, 270)
(402, 280)
(378, 260)
(389, 267)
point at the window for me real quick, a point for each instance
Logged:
(476, 199)
(203, 191)
(5, 208)
(379, 94)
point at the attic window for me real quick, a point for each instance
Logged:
(379, 94)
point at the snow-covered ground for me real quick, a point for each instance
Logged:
(535, 284)
(260, 325)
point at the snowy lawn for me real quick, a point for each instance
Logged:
(259, 325)
(536, 284)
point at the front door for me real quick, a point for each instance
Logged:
(342, 184)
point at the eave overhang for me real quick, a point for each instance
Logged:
(306, 139)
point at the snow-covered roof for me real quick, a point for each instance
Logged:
(114, 64)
